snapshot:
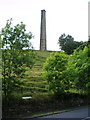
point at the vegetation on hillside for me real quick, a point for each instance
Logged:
(43, 75)
(67, 43)
(81, 67)
(55, 67)
(64, 72)
(14, 57)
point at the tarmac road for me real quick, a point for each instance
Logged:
(81, 113)
(77, 114)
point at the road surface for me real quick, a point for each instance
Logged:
(82, 113)
(77, 114)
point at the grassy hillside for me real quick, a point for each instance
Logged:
(34, 84)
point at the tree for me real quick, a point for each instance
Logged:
(16, 55)
(68, 44)
(82, 64)
(55, 66)
(79, 68)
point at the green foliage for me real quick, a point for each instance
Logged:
(78, 68)
(65, 73)
(81, 69)
(55, 66)
(15, 37)
(68, 44)
(14, 57)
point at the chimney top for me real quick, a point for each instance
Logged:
(43, 10)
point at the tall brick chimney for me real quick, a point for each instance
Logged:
(43, 31)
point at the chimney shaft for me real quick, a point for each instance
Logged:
(43, 30)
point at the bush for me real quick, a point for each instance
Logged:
(55, 67)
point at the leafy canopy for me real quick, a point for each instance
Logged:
(81, 69)
(16, 55)
(65, 72)
(55, 67)
(67, 43)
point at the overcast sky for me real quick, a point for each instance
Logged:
(62, 16)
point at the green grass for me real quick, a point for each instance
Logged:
(33, 80)
(34, 83)
(37, 87)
